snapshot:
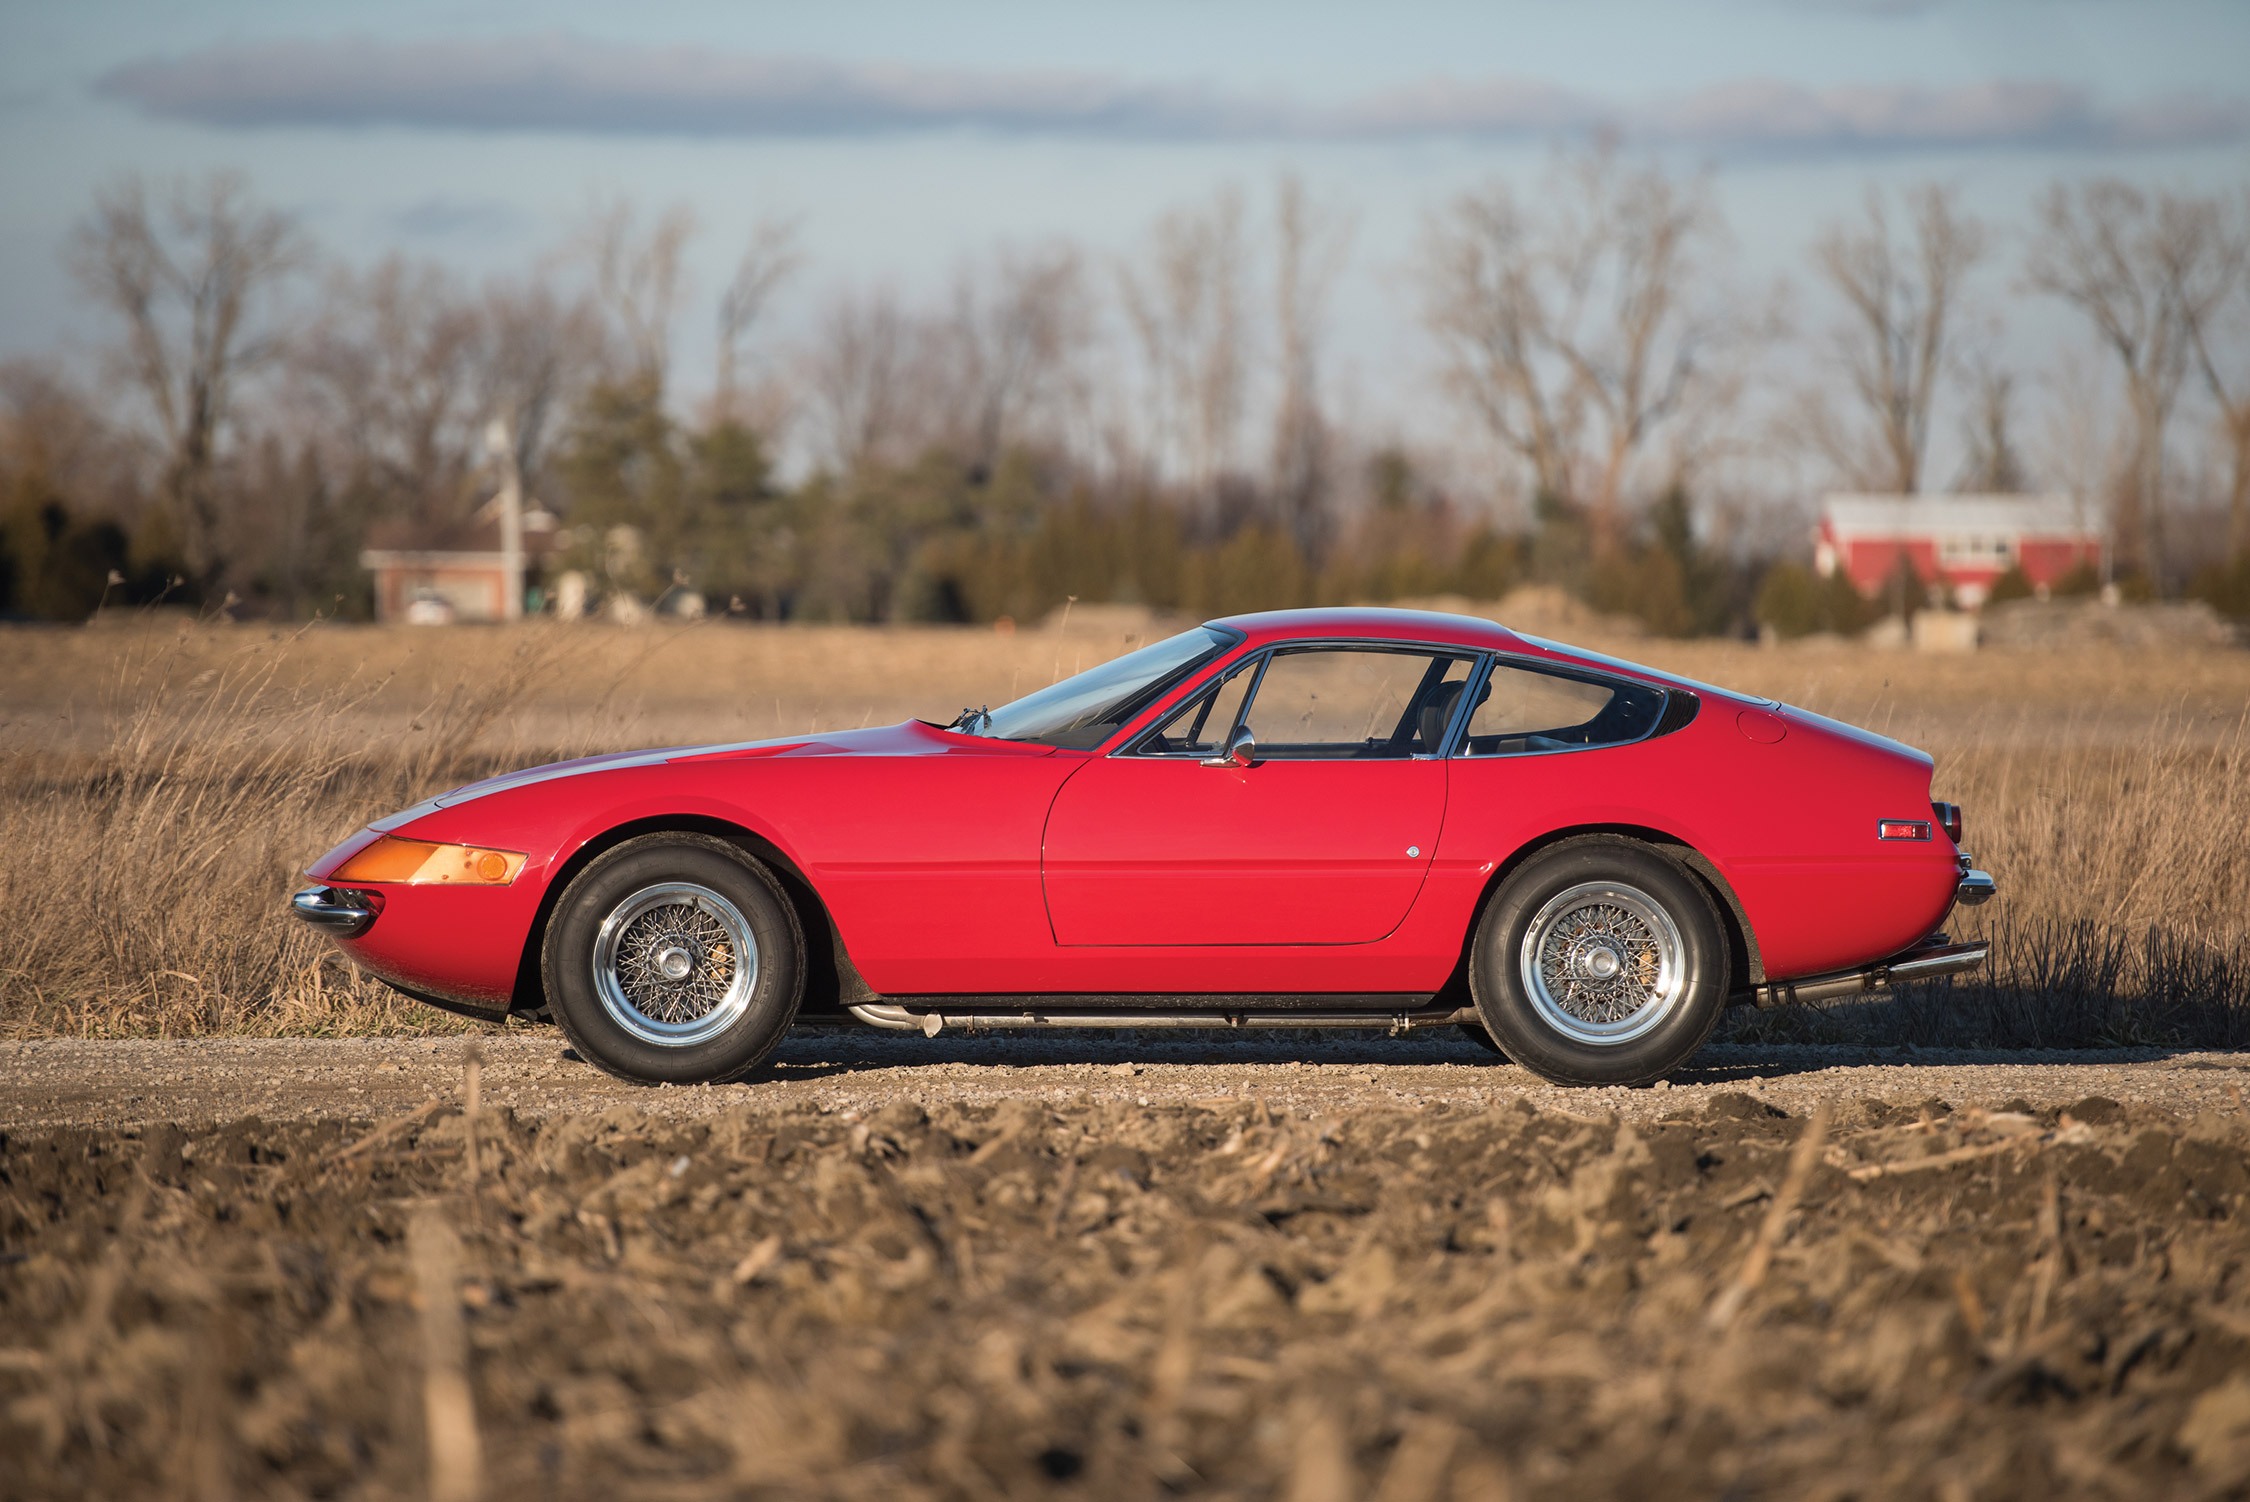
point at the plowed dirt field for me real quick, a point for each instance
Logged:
(904, 1268)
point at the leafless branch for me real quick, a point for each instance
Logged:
(192, 274)
(1902, 297)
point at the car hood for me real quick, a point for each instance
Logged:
(911, 738)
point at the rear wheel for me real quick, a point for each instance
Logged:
(1601, 962)
(674, 959)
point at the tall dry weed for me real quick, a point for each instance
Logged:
(143, 886)
(2153, 832)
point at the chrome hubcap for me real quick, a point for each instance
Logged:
(1599, 962)
(1603, 963)
(675, 964)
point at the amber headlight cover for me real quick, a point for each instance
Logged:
(419, 863)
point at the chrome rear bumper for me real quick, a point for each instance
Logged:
(1976, 887)
(335, 911)
(1924, 962)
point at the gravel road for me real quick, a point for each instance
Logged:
(57, 1082)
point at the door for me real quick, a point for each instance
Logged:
(1323, 839)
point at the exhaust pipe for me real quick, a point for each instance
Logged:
(898, 1019)
(1923, 963)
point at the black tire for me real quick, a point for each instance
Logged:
(683, 899)
(1626, 1019)
(1475, 1033)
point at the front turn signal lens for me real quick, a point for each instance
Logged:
(419, 863)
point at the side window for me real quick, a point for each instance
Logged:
(1333, 703)
(1524, 710)
(1201, 727)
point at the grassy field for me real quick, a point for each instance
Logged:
(162, 782)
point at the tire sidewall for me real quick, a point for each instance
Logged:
(1515, 1022)
(566, 959)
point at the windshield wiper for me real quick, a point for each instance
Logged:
(973, 721)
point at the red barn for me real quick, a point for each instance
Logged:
(1962, 542)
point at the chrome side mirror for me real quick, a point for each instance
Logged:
(1241, 751)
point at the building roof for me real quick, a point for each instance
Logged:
(1849, 517)
(540, 536)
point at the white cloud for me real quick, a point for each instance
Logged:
(566, 83)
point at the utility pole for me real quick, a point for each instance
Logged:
(500, 442)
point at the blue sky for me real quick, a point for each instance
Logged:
(904, 136)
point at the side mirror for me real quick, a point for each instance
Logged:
(1241, 751)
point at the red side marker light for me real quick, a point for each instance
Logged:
(1903, 829)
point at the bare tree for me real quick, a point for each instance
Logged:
(405, 368)
(2118, 257)
(392, 364)
(1581, 336)
(2208, 258)
(1186, 311)
(637, 277)
(1902, 297)
(769, 259)
(1311, 244)
(1012, 350)
(193, 277)
(859, 374)
(1988, 431)
(2079, 444)
(540, 352)
(1487, 303)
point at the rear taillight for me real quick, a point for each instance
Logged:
(1948, 819)
(1902, 829)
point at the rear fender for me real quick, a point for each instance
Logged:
(1742, 938)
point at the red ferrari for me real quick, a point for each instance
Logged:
(1358, 818)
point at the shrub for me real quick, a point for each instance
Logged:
(2012, 585)
(2225, 587)
(1790, 600)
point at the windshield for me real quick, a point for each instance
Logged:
(1082, 712)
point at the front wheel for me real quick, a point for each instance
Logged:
(1600, 962)
(674, 959)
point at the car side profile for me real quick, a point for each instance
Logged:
(1361, 818)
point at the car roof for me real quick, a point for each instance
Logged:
(1378, 623)
(1374, 623)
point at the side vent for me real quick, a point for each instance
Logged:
(1680, 709)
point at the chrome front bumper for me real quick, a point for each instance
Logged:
(336, 911)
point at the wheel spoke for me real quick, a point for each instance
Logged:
(1603, 963)
(675, 964)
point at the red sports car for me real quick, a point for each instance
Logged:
(1360, 818)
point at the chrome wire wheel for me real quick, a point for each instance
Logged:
(1603, 963)
(676, 964)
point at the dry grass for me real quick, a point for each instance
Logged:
(161, 785)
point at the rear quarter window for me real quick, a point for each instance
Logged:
(1523, 711)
